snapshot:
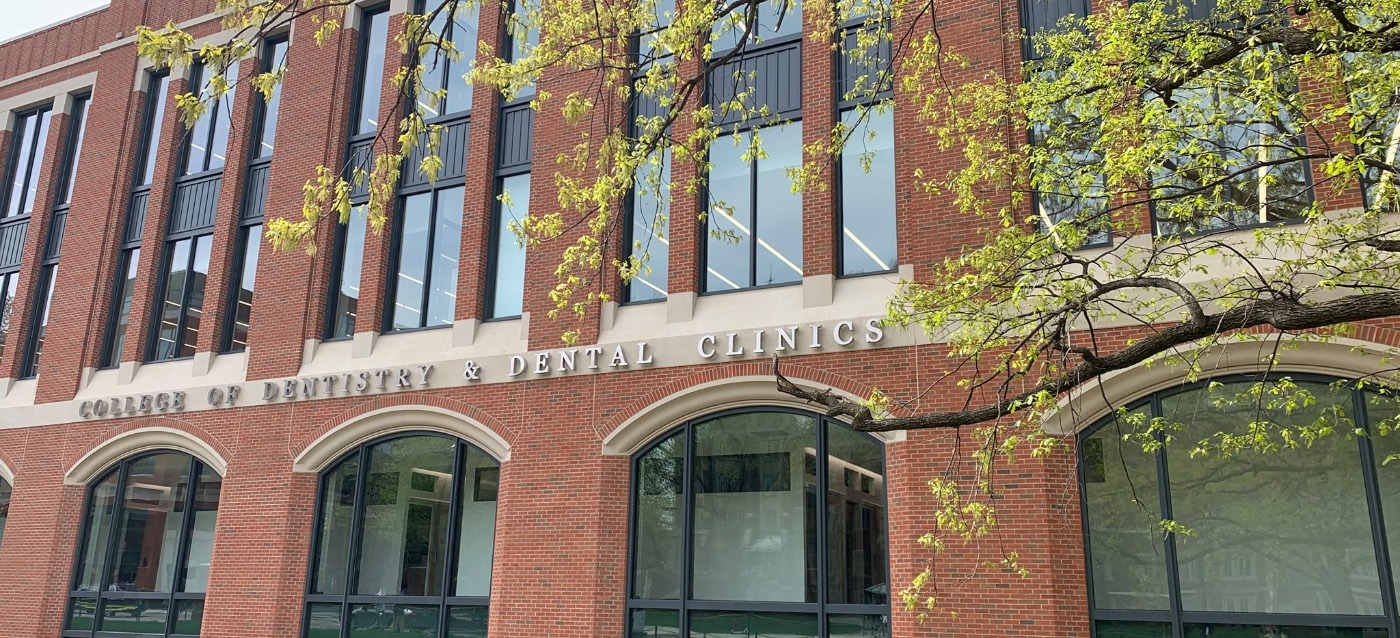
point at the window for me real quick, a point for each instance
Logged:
(5, 491)
(182, 297)
(143, 556)
(9, 285)
(206, 143)
(429, 247)
(1283, 542)
(506, 298)
(650, 228)
(119, 314)
(48, 275)
(772, 19)
(442, 76)
(868, 238)
(729, 517)
(521, 37)
(22, 182)
(404, 541)
(755, 218)
(343, 305)
(245, 265)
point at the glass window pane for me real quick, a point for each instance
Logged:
(1247, 556)
(447, 250)
(467, 622)
(413, 247)
(657, 544)
(1385, 411)
(82, 614)
(197, 137)
(352, 256)
(152, 517)
(222, 110)
(156, 106)
(464, 37)
(194, 303)
(856, 565)
(9, 286)
(276, 57)
(5, 491)
(47, 278)
(508, 291)
(775, 18)
(323, 620)
(378, 620)
(654, 623)
(754, 523)
(333, 545)
(651, 211)
(126, 286)
(19, 166)
(1126, 553)
(376, 30)
(867, 196)
(75, 151)
(1123, 629)
(144, 616)
(1220, 630)
(201, 540)
(704, 624)
(92, 555)
(406, 512)
(778, 210)
(727, 254)
(477, 536)
(176, 272)
(857, 626)
(189, 617)
(436, 66)
(243, 296)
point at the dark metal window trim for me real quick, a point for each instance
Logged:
(235, 276)
(31, 164)
(753, 226)
(684, 603)
(163, 284)
(1175, 615)
(269, 49)
(839, 189)
(102, 595)
(434, 191)
(493, 255)
(359, 455)
(361, 67)
(215, 112)
(451, 118)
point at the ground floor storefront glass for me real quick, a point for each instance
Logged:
(1294, 542)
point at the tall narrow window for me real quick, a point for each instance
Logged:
(521, 37)
(143, 555)
(343, 305)
(649, 231)
(404, 541)
(190, 231)
(507, 283)
(245, 266)
(429, 246)
(445, 92)
(866, 223)
(54, 243)
(22, 184)
(119, 314)
(755, 218)
(5, 491)
(759, 523)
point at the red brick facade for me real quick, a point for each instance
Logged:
(561, 547)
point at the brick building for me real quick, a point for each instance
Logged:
(386, 437)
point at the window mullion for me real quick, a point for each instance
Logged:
(1374, 501)
(1165, 502)
(428, 260)
(753, 208)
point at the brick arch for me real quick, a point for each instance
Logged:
(142, 435)
(715, 388)
(400, 412)
(1344, 357)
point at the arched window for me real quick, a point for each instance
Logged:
(404, 539)
(1293, 542)
(729, 536)
(143, 556)
(4, 506)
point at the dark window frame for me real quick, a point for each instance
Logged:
(101, 597)
(72, 149)
(846, 105)
(434, 192)
(163, 283)
(497, 226)
(684, 603)
(32, 165)
(359, 454)
(221, 110)
(353, 140)
(1178, 618)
